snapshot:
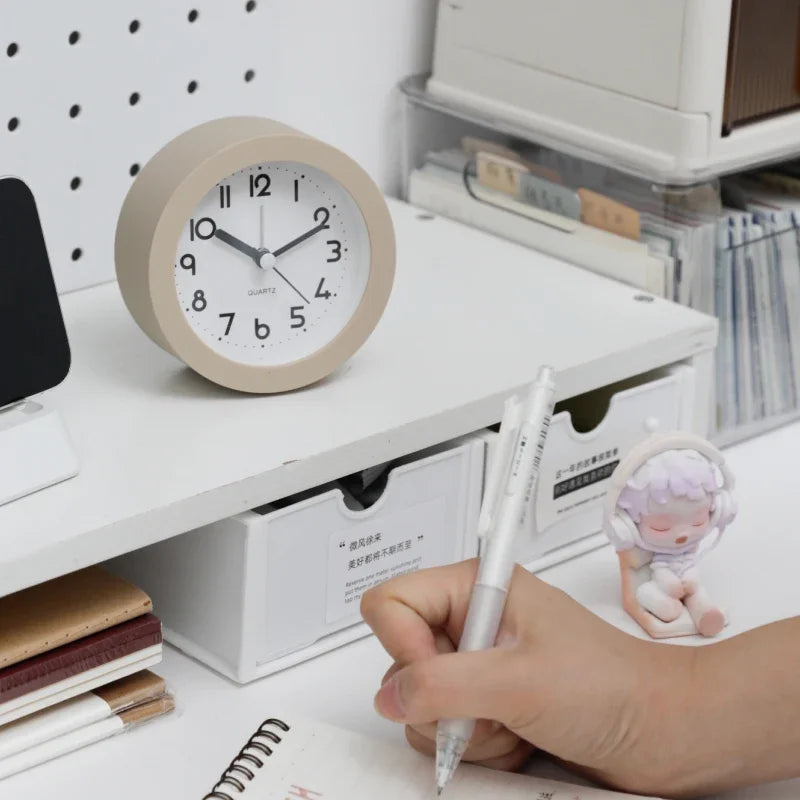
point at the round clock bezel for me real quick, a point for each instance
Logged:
(180, 198)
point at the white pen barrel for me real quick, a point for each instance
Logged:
(480, 632)
(483, 618)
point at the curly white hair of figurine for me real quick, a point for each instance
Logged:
(670, 499)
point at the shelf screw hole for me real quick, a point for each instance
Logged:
(76, 253)
(249, 75)
(134, 98)
(13, 123)
(250, 6)
(74, 110)
(75, 183)
(133, 170)
(192, 87)
(193, 15)
(12, 49)
(74, 37)
(134, 26)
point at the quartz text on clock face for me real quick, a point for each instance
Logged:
(272, 263)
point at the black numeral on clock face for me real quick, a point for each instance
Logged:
(259, 185)
(203, 228)
(199, 301)
(230, 317)
(296, 190)
(336, 246)
(225, 196)
(298, 320)
(262, 329)
(187, 262)
(321, 217)
(324, 293)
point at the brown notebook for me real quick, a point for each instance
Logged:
(64, 609)
(138, 688)
(78, 657)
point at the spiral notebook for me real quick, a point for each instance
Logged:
(295, 759)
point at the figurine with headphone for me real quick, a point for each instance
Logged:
(664, 502)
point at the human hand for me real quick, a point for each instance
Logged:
(559, 678)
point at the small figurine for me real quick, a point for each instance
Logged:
(667, 495)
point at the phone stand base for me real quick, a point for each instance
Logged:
(35, 450)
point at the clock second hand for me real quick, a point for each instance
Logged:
(291, 284)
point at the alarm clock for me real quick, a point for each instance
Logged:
(260, 256)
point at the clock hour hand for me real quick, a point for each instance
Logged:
(299, 239)
(261, 256)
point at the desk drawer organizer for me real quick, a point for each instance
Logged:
(727, 246)
(268, 588)
(588, 436)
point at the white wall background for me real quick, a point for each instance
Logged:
(327, 67)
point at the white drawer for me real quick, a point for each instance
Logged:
(576, 464)
(260, 591)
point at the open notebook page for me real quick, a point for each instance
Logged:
(315, 761)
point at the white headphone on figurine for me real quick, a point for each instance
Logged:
(618, 524)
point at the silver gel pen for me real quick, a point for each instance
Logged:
(504, 506)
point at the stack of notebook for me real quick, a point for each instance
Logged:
(59, 643)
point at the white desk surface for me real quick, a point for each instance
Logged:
(753, 572)
(163, 451)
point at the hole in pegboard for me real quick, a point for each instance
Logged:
(249, 75)
(191, 87)
(75, 183)
(134, 170)
(193, 15)
(74, 110)
(134, 26)
(76, 254)
(74, 37)
(12, 49)
(134, 98)
(250, 6)
(13, 124)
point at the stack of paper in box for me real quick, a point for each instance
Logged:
(60, 642)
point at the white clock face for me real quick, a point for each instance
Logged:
(273, 263)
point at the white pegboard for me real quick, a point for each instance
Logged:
(69, 72)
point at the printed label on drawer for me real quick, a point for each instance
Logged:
(565, 488)
(375, 550)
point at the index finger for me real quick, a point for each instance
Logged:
(403, 612)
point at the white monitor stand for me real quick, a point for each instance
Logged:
(35, 450)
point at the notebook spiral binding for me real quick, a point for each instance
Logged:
(250, 758)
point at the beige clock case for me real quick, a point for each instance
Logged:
(163, 198)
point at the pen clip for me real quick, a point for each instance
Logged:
(499, 466)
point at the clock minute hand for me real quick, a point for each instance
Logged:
(261, 256)
(299, 239)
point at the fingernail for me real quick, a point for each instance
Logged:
(388, 702)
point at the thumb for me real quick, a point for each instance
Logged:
(486, 684)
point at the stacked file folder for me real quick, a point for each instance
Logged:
(74, 654)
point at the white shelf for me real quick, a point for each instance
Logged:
(162, 451)
(181, 756)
